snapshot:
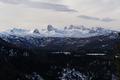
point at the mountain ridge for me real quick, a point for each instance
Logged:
(71, 31)
(35, 39)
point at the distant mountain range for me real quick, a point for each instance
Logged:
(71, 31)
(78, 39)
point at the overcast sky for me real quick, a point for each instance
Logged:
(38, 13)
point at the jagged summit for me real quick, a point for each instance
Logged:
(70, 31)
(50, 28)
(69, 38)
(36, 31)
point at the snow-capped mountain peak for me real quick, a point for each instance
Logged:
(67, 37)
(70, 31)
(50, 28)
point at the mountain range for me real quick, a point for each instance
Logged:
(77, 39)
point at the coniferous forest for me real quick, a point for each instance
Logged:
(19, 63)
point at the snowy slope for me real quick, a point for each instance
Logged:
(71, 31)
(70, 38)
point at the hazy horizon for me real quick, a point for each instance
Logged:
(31, 14)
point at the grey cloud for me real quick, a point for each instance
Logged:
(107, 19)
(51, 6)
(96, 18)
(88, 17)
(14, 1)
(41, 5)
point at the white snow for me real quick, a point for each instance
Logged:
(96, 54)
(72, 74)
(50, 31)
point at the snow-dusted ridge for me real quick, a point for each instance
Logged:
(68, 39)
(50, 31)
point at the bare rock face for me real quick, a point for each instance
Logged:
(36, 31)
(50, 28)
